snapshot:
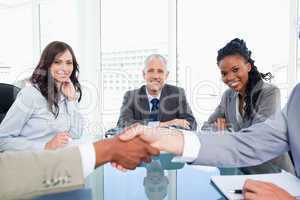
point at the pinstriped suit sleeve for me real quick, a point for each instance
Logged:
(30, 174)
(251, 146)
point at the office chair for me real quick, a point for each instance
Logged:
(8, 94)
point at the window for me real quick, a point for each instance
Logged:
(59, 21)
(16, 49)
(203, 28)
(139, 29)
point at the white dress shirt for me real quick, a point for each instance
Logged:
(88, 158)
(191, 147)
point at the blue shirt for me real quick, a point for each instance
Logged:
(30, 125)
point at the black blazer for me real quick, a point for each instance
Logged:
(173, 104)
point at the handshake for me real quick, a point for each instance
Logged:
(138, 144)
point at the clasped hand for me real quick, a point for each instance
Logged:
(168, 140)
(172, 141)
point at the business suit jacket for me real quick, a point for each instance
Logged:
(26, 174)
(258, 143)
(173, 104)
(268, 100)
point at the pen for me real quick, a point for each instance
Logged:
(236, 191)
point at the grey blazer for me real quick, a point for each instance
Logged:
(26, 174)
(268, 101)
(173, 104)
(258, 143)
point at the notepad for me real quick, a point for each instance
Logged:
(285, 180)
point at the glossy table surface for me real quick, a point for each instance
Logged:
(155, 183)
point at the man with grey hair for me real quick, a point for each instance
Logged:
(156, 103)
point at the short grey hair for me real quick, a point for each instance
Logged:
(155, 56)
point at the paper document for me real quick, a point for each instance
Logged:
(285, 180)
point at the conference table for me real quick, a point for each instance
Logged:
(153, 182)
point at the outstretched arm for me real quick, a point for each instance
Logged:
(251, 146)
(65, 169)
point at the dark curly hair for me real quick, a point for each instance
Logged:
(43, 80)
(238, 47)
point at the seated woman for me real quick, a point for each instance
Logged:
(248, 100)
(44, 115)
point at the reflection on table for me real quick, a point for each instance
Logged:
(153, 182)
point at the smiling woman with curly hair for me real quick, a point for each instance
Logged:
(248, 100)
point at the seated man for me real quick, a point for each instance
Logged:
(156, 103)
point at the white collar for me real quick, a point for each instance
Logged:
(150, 97)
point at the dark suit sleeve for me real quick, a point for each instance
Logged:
(127, 111)
(186, 112)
